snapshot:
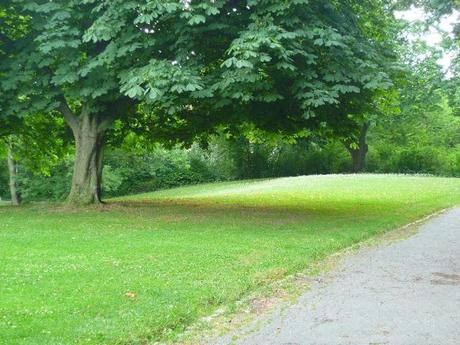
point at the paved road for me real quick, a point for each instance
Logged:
(405, 293)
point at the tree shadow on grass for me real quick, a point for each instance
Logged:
(273, 213)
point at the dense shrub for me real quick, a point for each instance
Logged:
(134, 173)
(159, 168)
(304, 158)
(4, 191)
(453, 161)
(54, 187)
(410, 160)
(127, 173)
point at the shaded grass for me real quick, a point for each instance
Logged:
(144, 267)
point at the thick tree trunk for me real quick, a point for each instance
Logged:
(87, 174)
(358, 154)
(88, 130)
(13, 171)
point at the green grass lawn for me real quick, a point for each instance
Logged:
(144, 267)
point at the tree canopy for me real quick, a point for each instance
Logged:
(184, 67)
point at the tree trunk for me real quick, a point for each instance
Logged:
(358, 158)
(358, 154)
(88, 130)
(87, 174)
(13, 171)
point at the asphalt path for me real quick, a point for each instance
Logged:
(403, 293)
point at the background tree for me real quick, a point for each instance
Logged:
(378, 23)
(34, 142)
(6, 151)
(424, 135)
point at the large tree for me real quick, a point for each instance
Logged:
(73, 56)
(192, 65)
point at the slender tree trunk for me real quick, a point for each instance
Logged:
(13, 171)
(100, 164)
(358, 154)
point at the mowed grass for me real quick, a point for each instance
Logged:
(144, 267)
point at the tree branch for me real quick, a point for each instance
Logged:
(68, 114)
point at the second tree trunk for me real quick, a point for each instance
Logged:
(13, 172)
(358, 154)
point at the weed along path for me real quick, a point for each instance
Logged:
(405, 292)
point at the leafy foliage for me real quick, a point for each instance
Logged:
(185, 67)
(284, 67)
(178, 71)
